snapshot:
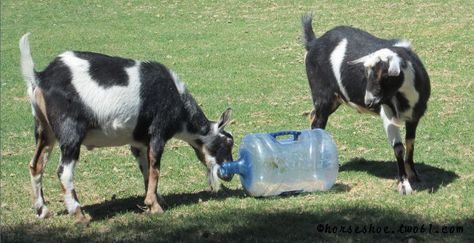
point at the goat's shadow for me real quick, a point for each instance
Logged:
(110, 208)
(432, 178)
(133, 204)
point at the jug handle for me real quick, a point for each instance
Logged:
(283, 133)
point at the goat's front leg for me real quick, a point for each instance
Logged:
(70, 149)
(410, 145)
(155, 150)
(393, 134)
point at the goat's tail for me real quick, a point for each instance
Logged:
(309, 37)
(27, 65)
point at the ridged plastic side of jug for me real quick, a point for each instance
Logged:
(306, 164)
(328, 160)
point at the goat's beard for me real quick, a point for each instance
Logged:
(213, 178)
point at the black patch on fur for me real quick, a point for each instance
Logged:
(74, 195)
(135, 151)
(69, 117)
(403, 104)
(60, 171)
(39, 211)
(107, 71)
(399, 150)
(221, 147)
(161, 112)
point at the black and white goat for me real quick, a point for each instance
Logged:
(385, 77)
(100, 101)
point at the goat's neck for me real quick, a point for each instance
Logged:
(196, 126)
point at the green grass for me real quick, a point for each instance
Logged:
(246, 55)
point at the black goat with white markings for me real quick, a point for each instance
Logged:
(385, 77)
(90, 99)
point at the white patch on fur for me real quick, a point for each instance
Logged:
(336, 58)
(67, 178)
(391, 129)
(116, 108)
(409, 91)
(179, 84)
(215, 128)
(36, 185)
(403, 43)
(406, 185)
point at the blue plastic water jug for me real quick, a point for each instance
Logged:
(272, 163)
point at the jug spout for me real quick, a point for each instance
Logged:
(228, 169)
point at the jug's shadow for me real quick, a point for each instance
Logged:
(432, 178)
(110, 208)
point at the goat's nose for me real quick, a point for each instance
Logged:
(225, 178)
(369, 98)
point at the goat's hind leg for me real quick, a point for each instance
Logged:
(44, 145)
(323, 108)
(70, 145)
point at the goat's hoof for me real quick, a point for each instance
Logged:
(404, 187)
(155, 208)
(43, 213)
(152, 207)
(81, 219)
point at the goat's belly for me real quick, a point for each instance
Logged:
(99, 138)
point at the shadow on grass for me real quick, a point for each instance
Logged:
(110, 208)
(432, 178)
(340, 222)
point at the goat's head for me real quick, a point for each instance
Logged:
(383, 75)
(216, 147)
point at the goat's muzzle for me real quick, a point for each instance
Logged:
(225, 178)
(371, 101)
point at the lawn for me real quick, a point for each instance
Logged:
(246, 55)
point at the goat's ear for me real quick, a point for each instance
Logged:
(394, 66)
(356, 61)
(225, 118)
